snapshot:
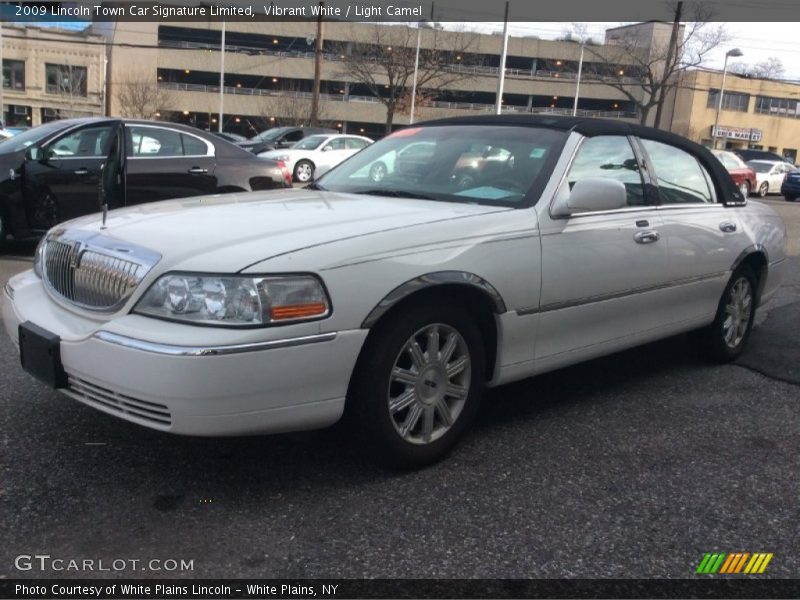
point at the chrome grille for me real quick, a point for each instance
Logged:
(125, 406)
(93, 272)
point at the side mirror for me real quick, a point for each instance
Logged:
(327, 149)
(591, 194)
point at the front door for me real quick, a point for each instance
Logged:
(63, 183)
(164, 163)
(602, 272)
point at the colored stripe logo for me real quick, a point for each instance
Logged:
(734, 563)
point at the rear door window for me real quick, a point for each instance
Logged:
(680, 177)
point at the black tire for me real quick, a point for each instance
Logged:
(374, 386)
(790, 198)
(763, 189)
(4, 223)
(714, 344)
(378, 172)
(304, 171)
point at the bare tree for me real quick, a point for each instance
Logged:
(291, 106)
(384, 64)
(772, 68)
(646, 70)
(139, 96)
(70, 82)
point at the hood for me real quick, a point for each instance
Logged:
(226, 233)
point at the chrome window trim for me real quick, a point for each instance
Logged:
(174, 350)
(210, 150)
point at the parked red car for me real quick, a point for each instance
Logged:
(744, 176)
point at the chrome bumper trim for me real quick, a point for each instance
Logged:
(171, 350)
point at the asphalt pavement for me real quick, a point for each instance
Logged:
(633, 465)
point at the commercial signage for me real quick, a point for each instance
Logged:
(736, 133)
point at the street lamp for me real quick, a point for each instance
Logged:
(735, 52)
(582, 41)
(420, 26)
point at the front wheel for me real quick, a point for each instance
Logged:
(763, 189)
(725, 339)
(418, 385)
(304, 171)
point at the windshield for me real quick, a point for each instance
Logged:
(457, 163)
(269, 134)
(310, 143)
(30, 137)
(760, 167)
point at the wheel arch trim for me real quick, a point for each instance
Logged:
(755, 250)
(429, 281)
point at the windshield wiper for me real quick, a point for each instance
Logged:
(395, 194)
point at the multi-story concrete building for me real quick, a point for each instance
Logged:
(756, 113)
(269, 70)
(51, 73)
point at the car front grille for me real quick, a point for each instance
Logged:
(125, 406)
(93, 272)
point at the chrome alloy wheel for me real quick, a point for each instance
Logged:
(303, 172)
(429, 383)
(737, 312)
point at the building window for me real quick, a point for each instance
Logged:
(779, 107)
(65, 80)
(14, 74)
(730, 100)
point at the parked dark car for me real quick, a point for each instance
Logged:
(52, 173)
(790, 188)
(234, 138)
(280, 137)
(747, 154)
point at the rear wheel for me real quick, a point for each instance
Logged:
(418, 385)
(725, 339)
(744, 188)
(763, 189)
(304, 171)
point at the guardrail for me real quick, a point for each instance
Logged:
(476, 106)
(453, 67)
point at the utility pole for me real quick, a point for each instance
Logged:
(221, 80)
(672, 56)
(317, 69)
(502, 78)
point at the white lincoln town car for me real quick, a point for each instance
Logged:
(518, 245)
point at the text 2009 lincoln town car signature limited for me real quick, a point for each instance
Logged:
(519, 245)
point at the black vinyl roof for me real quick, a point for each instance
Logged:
(727, 190)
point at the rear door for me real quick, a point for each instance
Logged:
(704, 236)
(64, 183)
(164, 163)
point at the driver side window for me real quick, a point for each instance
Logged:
(91, 142)
(610, 157)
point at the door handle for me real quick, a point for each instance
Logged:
(82, 171)
(198, 170)
(727, 227)
(646, 237)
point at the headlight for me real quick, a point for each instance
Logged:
(37, 257)
(235, 300)
(283, 157)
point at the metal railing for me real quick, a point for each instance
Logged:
(453, 67)
(476, 106)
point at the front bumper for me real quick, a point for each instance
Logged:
(293, 379)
